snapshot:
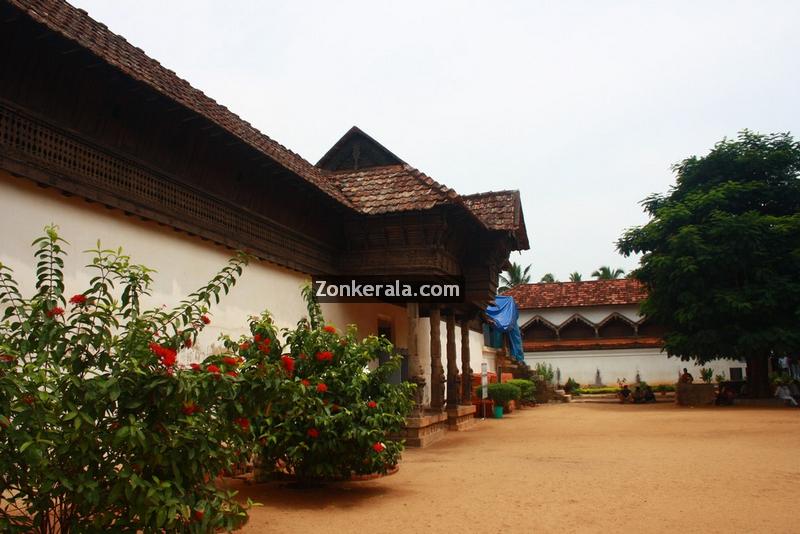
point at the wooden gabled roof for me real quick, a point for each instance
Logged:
(76, 25)
(368, 180)
(392, 188)
(500, 210)
(356, 150)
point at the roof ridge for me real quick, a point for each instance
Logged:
(489, 193)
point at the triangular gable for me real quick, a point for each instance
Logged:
(356, 150)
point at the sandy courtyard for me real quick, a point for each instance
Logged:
(572, 468)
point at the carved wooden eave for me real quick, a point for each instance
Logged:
(50, 156)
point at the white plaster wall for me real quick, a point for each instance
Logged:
(184, 263)
(653, 365)
(365, 317)
(592, 313)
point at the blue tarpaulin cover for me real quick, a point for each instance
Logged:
(504, 314)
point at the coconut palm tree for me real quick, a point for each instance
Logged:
(607, 273)
(548, 278)
(575, 277)
(514, 276)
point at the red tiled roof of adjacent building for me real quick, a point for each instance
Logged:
(576, 294)
(590, 344)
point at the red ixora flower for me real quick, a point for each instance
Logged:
(168, 356)
(205, 319)
(305, 382)
(322, 388)
(330, 329)
(258, 338)
(379, 447)
(188, 343)
(372, 404)
(7, 358)
(232, 373)
(228, 360)
(52, 312)
(325, 356)
(288, 363)
(198, 515)
(190, 408)
(213, 369)
(313, 433)
(78, 300)
(196, 367)
(243, 422)
(244, 346)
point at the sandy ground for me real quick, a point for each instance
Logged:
(571, 468)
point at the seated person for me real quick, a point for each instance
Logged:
(638, 395)
(783, 393)
(794, 389)
(725, 396)
(686, 377)
(624, 393)
(649, 396)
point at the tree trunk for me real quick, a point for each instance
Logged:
(758, 376)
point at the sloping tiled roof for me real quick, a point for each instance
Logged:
(392, 188)
(574, 294)
(375, 190)
(76, 25)
(497, 208)
(500, 210)
(589, 344)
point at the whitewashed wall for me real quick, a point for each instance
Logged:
(592, 313)
(183, 263)
(653, 366)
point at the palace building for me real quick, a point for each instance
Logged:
(102, 140)
(594, 333)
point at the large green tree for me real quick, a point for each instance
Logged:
(721, 254)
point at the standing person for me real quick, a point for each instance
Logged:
(687, 377)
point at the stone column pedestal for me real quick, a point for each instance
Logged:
(460, 417)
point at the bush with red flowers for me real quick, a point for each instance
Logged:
(100, 428)
(332, 416)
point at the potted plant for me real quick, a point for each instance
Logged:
(482, 406)
(502, 394)
(706, 374)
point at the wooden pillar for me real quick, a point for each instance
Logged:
(452, 366)
(466, 370)
(416, 373)
(437, 371)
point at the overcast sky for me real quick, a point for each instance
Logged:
(582, 106)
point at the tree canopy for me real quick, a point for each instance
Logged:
(721, 253)
(548, 278)
(514, 276)
(575, 277)
(607, 273)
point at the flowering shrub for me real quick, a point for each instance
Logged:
(331, 416)
(99, 426)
